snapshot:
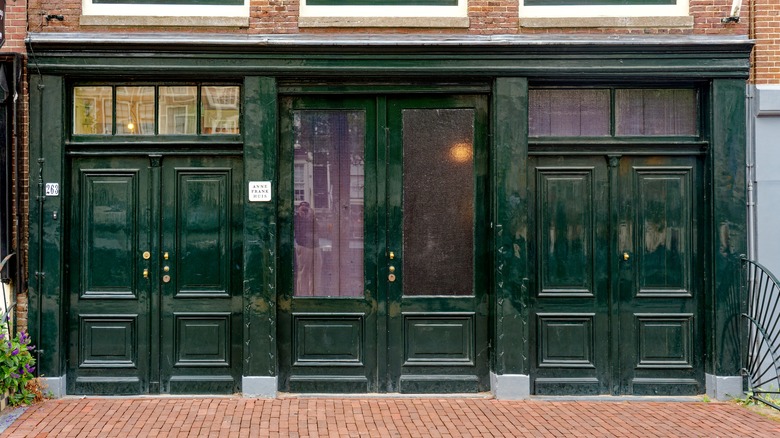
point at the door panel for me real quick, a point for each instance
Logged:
(659, 288)
(572, 293)
(328, 294)
(155, 275)
(201, 277)
(616, 303)
(109, 297)
(437, 234)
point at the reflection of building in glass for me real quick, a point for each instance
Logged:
(177, 110)
(92, 110)
(329, 176)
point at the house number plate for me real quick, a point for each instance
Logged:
(52, 189)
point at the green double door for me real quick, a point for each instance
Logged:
(154, 274)
(383, 244)
(616, 300)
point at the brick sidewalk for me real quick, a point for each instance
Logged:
(380, 417)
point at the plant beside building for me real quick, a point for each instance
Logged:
(17, 366)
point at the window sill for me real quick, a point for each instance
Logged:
(429, 22)
(554, 22)
(111, 20)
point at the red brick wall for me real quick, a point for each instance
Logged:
(15, 26)
(15, 33)
(486, 17)
(766, 33)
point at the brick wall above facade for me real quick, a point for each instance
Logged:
(484, 17)
(766, 32)
(15, 26)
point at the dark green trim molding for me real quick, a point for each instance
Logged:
(379, 56)
(729, 242)
(46, 252)
(510, 286)
(260, 155)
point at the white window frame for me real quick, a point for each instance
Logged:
(405, 11)
(146, 10)
(594, 11)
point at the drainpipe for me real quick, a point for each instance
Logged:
(750, 172)
(16, 79)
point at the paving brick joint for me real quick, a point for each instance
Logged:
(384, 417)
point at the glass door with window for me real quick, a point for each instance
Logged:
(383, 245)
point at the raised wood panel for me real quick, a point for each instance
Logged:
(566, 340)
(109, 214)
(439, 340)
(108, 341)
(332, 340)
(565, 202)
(664, 223)
(664, 341)
(203, 232)
(202, 340)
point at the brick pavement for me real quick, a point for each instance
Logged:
(384, 417)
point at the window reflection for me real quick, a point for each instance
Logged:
(92, 110)
(328, 180)
(219, 113)
(135, 110)
(178, 110)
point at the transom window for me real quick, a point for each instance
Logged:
(619, 112)
(150, 110)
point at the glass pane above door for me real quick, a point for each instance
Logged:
(438, 201)
(328, 179)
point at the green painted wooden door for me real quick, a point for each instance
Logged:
(384, 280)
(437, 246)
(155, 250)
(617, 293)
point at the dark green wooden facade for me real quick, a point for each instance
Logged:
(603, 315)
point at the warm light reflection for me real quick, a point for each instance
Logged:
(461, 152)
(130, 126)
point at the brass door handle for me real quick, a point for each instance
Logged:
(626, 256)
(146, 273)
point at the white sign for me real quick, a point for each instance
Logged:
(259, 191)
(52, 189)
